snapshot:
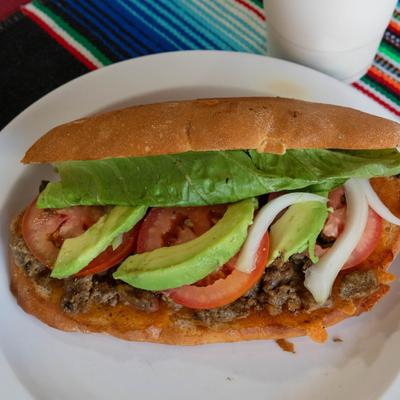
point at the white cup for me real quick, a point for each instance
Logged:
(338, 37)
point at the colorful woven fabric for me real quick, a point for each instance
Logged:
(382, 81)
(99, 33)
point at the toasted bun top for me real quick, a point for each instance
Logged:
(263, 123)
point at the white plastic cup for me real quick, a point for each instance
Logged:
(338, 37)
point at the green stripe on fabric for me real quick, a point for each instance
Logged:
(389, 51)
(258, 3)
(71, 31)
(381, 89)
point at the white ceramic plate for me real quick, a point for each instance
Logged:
(39, 362)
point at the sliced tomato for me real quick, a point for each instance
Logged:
(220, 273)
(175, 225)
(44, 231)
(368, 242)
(224, 290)
(275, 195)
(335, 225)
(164, 227)
(337, 198)
(110, 257)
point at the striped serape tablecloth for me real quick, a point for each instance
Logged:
(97, 33)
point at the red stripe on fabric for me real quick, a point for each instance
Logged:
(394, 27)
(376, 98)
(7, 7)
(251, 8)
(59, 39)
(380, 78)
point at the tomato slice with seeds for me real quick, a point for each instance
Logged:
(110, 257)
(224, 290)
(44, 231)
(175, 225)
(335, 225)
(368, 242)
(169, 226)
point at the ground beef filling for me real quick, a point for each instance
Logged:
(32, 267)
(103, 289)
(358, 284)
(280, 289)
(79, 293)
(238, 309)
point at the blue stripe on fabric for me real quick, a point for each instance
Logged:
(132, 43)
(202, 26)
(185, 44)
(256, 35)
(137, 22)
(182, 25)
(101, 27)
(230, 28)
(237, 41)
(133, 26)
(251, 15)
(120, 26)
(220, 29)
(94, 32)
(134, 12)
(210, 41)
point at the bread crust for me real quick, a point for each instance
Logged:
(264, 123)
(168, 327)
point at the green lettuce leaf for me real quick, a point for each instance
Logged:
(201, 178)
(323, 164)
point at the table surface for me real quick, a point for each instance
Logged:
(45, 43)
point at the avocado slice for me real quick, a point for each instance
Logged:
(76, 253)
(186, 263)
(296, 230)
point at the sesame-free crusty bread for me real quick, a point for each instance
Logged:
(264, 123)
(170, 327)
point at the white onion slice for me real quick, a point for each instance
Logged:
(319, 278)
(263, 220)
(376, 203)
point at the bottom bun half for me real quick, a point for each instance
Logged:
(178, 327)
